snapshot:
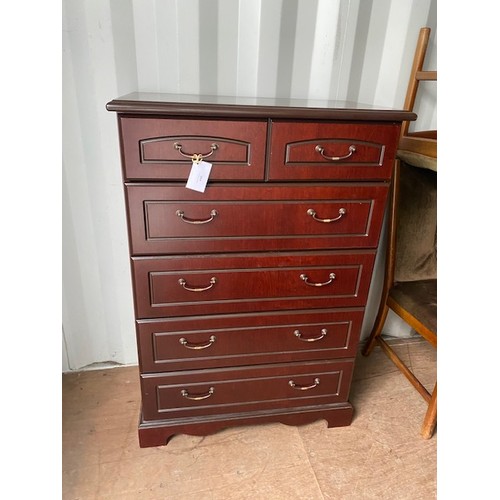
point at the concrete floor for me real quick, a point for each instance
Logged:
(380, 455)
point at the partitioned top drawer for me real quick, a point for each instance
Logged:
(163, 149)
(328, 151)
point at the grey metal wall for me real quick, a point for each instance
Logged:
(358, 50)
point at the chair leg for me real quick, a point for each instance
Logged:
(376, 331)
(430, 417)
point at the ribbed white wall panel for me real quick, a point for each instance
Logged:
(357, 50)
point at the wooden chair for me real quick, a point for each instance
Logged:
(410, 281)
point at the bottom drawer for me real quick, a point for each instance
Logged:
(244, 389)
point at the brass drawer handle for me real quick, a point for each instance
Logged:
(291, 383)
(312, 213)
(213, 214)
(297, 333)
(196, 157)
(186, 344)
(197, 397)
(321, 150)
(182, 282)
(305, 278)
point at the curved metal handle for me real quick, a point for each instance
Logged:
(312, 213)
(180, 214)
(291, 383)
(197, 397)
(182, 282)
(297, 333)
(196, 157)
(321, 150)
(186, 344)
(305, 278)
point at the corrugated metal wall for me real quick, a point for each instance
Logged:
(334, 49)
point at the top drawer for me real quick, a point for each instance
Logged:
(161, 148)
(332, 151)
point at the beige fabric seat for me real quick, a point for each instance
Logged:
(419, 298)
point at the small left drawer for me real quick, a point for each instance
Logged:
(162, 148)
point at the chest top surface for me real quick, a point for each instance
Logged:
(150, 103)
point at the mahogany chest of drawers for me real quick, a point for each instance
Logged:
(250, 293)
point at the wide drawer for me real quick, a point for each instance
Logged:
(236, 390)
(182, 286)
(329, 151)
(160, 148)
(231, 340)
(171, 219)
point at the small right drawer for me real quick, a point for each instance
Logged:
(332, 151)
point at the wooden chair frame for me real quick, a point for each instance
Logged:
(421, 143)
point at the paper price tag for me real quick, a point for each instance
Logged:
(198, 177)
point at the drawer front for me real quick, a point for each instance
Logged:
(166, 286)
(209, 342)
(236, 390)
(328, 151)
(156, 148)
(168, 219)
